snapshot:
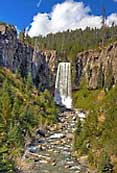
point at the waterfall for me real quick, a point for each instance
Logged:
(63, 85)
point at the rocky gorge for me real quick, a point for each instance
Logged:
(51, 149)
(98, 67)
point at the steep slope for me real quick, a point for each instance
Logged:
(96, 136)
(22, 109)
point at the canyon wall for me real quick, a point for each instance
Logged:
(98, 68)
(21, 57)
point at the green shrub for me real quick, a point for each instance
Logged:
(104, 164)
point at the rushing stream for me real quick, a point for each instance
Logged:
(52, 152)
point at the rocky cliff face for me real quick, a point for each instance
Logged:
(43, 68)
(99, 68)
(18, 56)
(51, 58)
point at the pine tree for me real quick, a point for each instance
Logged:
(6, 105)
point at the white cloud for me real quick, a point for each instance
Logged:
(40, 25)
(115, 0)
(112, 18)
(67, 15)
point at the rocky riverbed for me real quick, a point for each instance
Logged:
(51, 151)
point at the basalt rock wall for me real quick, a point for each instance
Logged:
(98, 68)
(21, 57)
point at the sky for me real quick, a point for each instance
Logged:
(41, 17)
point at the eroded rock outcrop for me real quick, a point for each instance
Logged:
(99, 68)
(8, 45)
(52, 61)
(21, 57)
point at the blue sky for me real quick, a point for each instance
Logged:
(21, 12)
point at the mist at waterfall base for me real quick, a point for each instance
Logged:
(62, 95)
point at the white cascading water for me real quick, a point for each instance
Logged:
(63, 85)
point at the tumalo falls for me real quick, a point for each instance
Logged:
(63, 85)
